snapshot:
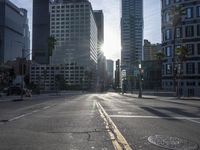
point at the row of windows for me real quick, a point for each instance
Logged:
(193, 49)
(55, 68)
(71, 30)
(170, 83)
(69, 6)
(190, 68)
(72, 15)
(168, 2)
(58, 25)
(189, 32)
(189, 14)
(68, 10)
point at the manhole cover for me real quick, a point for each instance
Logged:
(173, 143)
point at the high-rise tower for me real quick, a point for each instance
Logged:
(131, 34)
(41, 30)
(14, 32)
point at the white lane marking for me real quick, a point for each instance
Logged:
(27, 114)
(18, 117)
(153, 117)
(192, 120)
(35, 111)
(46, 107)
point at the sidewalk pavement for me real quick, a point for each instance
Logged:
(146, 96)
(13, 98)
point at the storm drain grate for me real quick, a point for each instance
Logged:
(172, 143)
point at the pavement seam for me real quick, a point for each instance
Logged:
(119, 142)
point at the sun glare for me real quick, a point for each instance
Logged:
(112, 46)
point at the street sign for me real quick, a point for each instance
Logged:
(124, 73)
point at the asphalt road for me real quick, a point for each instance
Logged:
(100, 121)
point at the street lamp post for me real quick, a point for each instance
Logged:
(22, 72)
(140, 81)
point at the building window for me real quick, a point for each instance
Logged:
(190, 48)
(167, 17)
(176, 1)
(168, 69)
(190, 68)
(189, 30)
(167, 2)
(168, 34)
(198, 11)
(168, 51)
(199, 68)
(189, 12)
(198, 48)
(178, 32)
(198, 29)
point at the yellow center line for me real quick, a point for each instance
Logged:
(118, 140)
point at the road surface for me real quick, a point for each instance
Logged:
(100, 121)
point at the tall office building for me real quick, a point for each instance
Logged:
(185, 32)
(110, 71)
(101, 59)
(14, 31)
(27, 51)
(99, 18)
(117, 74)
(41, 24)
(73, 26)
(131, 34)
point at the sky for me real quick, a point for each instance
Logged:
(112, 14)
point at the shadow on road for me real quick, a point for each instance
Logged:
(179, 111)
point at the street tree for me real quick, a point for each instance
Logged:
(181, 57)
(51, 45)
(160, 57)
(176, 14)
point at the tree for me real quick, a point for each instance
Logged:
(182, 53)
(181, 57)
(159, 57)
(176, 14)
(51, 45)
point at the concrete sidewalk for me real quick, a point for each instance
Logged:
(147, 96)
(13, 98)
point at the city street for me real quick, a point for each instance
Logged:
(100, 121)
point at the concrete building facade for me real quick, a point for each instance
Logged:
(73, 25)
(186, 32)
(66, 76)
(14, 31)
(150, 50)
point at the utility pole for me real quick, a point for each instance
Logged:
(140, 80)
(22, 74)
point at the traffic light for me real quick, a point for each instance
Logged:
(142, 77)
(142, 74)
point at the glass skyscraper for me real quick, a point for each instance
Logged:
(131, 34)
(41, 27)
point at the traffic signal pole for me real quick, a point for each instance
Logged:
(140, 81)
